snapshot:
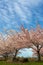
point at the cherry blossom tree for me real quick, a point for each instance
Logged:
(16, 41)
(5, 47)
(37, 40)
(35, 36)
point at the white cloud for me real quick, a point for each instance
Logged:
(19, 11)
(29, 2)
(23, 9)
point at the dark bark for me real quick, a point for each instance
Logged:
(39, 58)
(38, 52)
(5, 55)
(14, 58)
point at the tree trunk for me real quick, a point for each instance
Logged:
(14, 58)
(5, 55)
(39, 58)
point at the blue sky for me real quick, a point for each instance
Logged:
(26, 53)
(13, 13)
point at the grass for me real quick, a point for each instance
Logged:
(28, 63)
